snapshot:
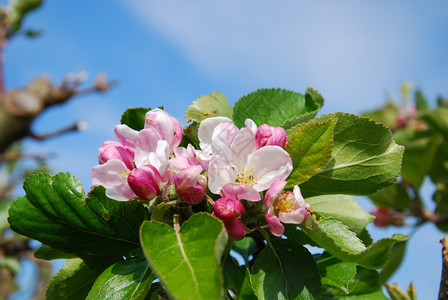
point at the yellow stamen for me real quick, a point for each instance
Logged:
(125, 174)
(285, 202)
(246, 177)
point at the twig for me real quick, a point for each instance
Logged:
(8, 157)
(41, 137)
(443, 291)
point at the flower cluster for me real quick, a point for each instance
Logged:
(239, 165)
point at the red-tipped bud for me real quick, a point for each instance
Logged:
(145, 182)
(227, 209)
(272, 136)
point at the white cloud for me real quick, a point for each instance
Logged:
(349, 50)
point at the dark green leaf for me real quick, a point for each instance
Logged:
(212, 105)
(246, 247)
(437, 119)
(394, 196)
(310, 149)
(364, 159)
(48, 253)
(72, 282)
(187, 259)
(292, 232)
(286, 271)
(342, 243)
(342, 208)
(336, 273)
(396, 258)
(97, 229)
(126, 279)
(135, 117)
(420, 101)
(237, 279)
(271, 106)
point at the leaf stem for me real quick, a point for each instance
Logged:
(227, 251)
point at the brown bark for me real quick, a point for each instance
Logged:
(443, 291)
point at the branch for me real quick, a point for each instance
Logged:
(443, 291)
(78, 126)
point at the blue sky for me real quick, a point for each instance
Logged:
(170, 52)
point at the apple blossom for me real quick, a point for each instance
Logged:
(227, 209)
(244, 164)
(287, 207)
(273, 136)
(166, 125)
(115, 150)
(190, 184)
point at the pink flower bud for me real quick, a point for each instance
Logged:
(114, 150)
(272, 136)
(166, 125)
(235, 229)
(190, 184)
(145, 182)
(383, 216)
(227, 209)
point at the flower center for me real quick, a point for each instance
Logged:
(285, 202)
(125, 174)
(246, 177)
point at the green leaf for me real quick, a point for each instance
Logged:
(48, 253)
(394, 196)
(310, 149)
(212, 105)
(187, 259)
(127, 279)
(394, 263)
(377, 295)
(439, 168)
(135, 117)
(97, 229)
(10, 263)
(420, 101)
(246, 247)
(437, 119)
(4, 207)
(310, 95)
(387, 115)
(271, 106)
(72, 282)
(420, 149)
(364, 159)
(285, 271)
(342, 208)
(237, 279)
(342, 243)
(396, 293)
(335, 273)
(18, 10)
(292, 232)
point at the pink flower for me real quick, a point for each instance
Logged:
(195, 156)
(115, 150)
(166, 125)
(145, 182)
(287, 207)
(273, 136)
(190, 184)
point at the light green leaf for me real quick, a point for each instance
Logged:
(127, 279)
(387, 115)
(186, 260)
(364, 159)
(335, 273)
(286, 271)
(394, 196)
(10, 263)
(310, 149)
(342, 208)
(72, 282)
(272, 106)
(342, 243)
(4, 206)
(394, 263)
(437, 119)
(97, 229)
(135, 117)
(420, 149)
(212, 105)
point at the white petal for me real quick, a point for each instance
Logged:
(205, 132)
(222, 138)
(270, 163)
(126, 135)
(242, 147)
(147, 141)
(220, 173)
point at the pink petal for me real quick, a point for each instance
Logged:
(113, 176)
(166, 125)
(206, 129)
(238, 191)
(273, 192)
(294, 217)
(126, 136)
(219, 174)
(243, 145)
(227, 209)
(275, 226)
